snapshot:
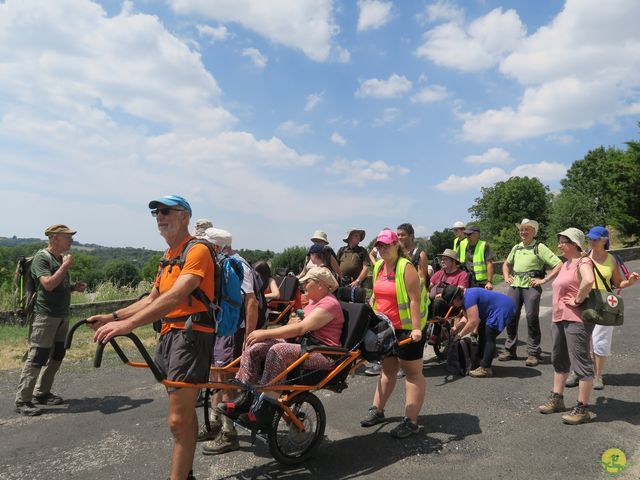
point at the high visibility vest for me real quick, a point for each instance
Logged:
(403, 297)
(479, 264)
(460, 246)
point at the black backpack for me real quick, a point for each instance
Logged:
(462, 356)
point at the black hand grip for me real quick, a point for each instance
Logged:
(69, 338)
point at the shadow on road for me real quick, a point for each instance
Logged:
(611, 410)
(107, 405)
(366, 454)
(622, 379)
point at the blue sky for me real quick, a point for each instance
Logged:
(278, 117)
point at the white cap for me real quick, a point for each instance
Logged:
(218, 237)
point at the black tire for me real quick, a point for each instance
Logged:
(442, 344)
(287, 444)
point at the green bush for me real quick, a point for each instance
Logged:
(292, 259)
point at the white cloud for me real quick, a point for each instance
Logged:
(342, 55)
(430, 94)
(214, 34)
(292, 128)
(306, 25)
(313, 100)
(358, 172)
(389, 115)
(443, 10)
(258, 59)
(373, 14)
(337, 138)
(581, 69)
(544, 171)
(482, 45)
(394, 86)
(493, 155)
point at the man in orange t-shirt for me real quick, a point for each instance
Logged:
(182, 354)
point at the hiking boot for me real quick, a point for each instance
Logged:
(48, 399)
(598, 384)
(374, 417)
(204, 434)
(404, 429)
(532, 361)
(373, 370)
(579, 414)
(554, 404)
(572, 380)
(481, 372)
(506, 356)
(234, 409)
(27, 409)
(223, 443)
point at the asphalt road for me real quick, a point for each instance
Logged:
(113, 426)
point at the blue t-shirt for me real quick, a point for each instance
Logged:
(495, 308)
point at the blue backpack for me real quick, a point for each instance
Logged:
(229, 295)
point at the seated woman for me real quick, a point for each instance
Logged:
(322, 322)
(488, 312)
(269, 285)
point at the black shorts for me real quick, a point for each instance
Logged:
(410, 351)
(226, 348)
(181, 360)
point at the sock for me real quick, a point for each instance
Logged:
(227, 424)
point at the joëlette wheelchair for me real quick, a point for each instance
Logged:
(279, 310)
(297, 427)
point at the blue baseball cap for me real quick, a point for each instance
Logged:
(171, 201)
(596, 233)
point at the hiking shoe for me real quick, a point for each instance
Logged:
(554, 404)
(598, 384)
(572, 380)
(579, 414)
(532, 361)
(374, 370)
(404, 429)
(48, 399)
(204, 434)
(481, 372)
(374, 417)
(223, 443)
(506, 356)
(27, 409)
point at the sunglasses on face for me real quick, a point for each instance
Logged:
(164, 211)
(382, 246)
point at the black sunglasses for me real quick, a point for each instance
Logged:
(164, 211)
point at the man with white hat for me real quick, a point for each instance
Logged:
(50, 271)
(524, 270)
(460, 242)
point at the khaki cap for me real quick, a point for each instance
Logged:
(58, 228)
(322, 275)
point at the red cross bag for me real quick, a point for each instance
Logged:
(602, 307)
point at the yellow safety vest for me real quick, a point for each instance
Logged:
(479, 264)
(403, 297)
(460, 246)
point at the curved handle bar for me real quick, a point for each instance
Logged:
(69, 338)
(97, 359)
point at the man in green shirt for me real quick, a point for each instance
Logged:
(524, 269)
(50, 271)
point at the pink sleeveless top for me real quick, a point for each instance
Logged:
(387, 299)
(566, 284)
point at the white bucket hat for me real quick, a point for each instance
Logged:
(529, 223)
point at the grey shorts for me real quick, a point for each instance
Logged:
(571, 348)
(181, 360)
(226, 348)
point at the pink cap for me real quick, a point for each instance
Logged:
(387, 237)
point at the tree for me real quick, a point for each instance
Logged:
(292, 259)
(508, 202)
(253, 256)
(439, 241)
(122, 273)
(150, 268)
(573, 208)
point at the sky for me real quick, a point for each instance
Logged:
(275, 118)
